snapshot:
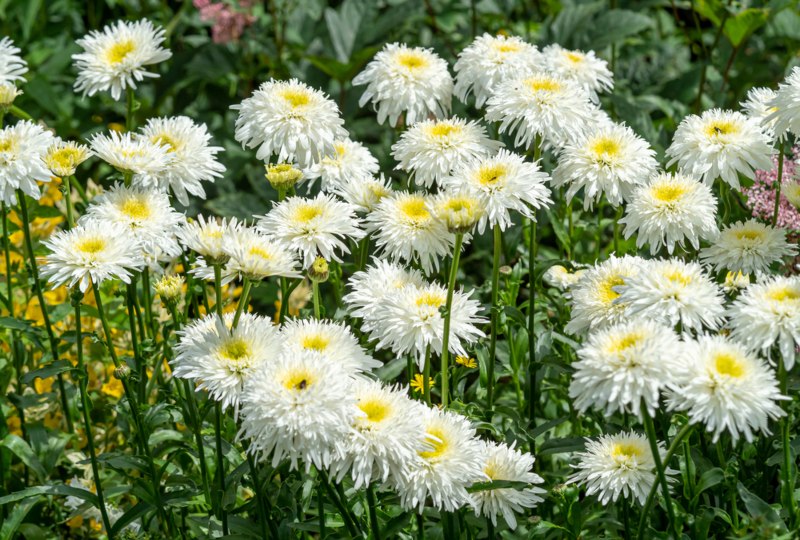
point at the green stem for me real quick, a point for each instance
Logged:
(321, 508)
(262, 517)
(218, 289)
(364, 253)
(495, 316)
(223, 515)
(616, 231)
(532, 393)
(316, 299)
(337, 501)
(778, 187)
(129, 120)
(137, 354)
(374, 525)
(243, 300)
(787, 480)
(650, 429)
(104, 322)
(68, 200)
(426, 376)
(451, 285)
(81, 192)
(37, 285)
(148, 304)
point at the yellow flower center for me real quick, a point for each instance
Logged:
(507, 47)
(605, 149)
(542, 84)
(119, 51)
(676, 276)
(624, 342)
(235, 350)
(297, 380)
(411, 60)
(784, 293)
(307, 212)
(437, 441)
(490, 470)
(296, 97)
(728, 364)
(574, 57)
(91, 245)
(8, 144)
(64, 158)
(261, 253)
(165, 140)
(316, 342)
(376, 410)
(668, 193)
(489, 175)
(749, 235)
(443, 129)
(340, 148)
(721, 127)
(606, 293)
(415, 210)
(431, 299)
(626, 450)
(135, 209)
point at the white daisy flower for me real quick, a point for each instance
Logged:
(147, 216)
(210, 238)
(365, 192)
(63, 157)
(459, 211)
(385, 437)
(768, 314)
(410, 321)
(348, 161)
(595, 298)
(191, 159)
(410, 80)
(8, 93)
(503, 462)
(489, 60)
(673, 292)
(299, 408)
(115, 58)
(132, 154)
(610, 161)
(624, 367)
(590, 72)
(726, 388)
(748, 247)
(370, 287)
(721, 144)
(561, 278)
(620, 464)
(405, 227)
(333, 340)
(451, 461)
(539, 104)
(785, 107)
(318, 227)
(291, 120)
(91, 253)
(22, 148)
(670, 209)
(256, 256)
(758, 106)
(431, 149)
(503, 182)
(12, 66)
(219, 360)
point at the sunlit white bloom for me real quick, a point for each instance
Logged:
(210, 238)
(489, 60)
(459, 211)
(291, 120)
(12, 66)
(768, 314)
(620, 464)
(22, 147)
(758, 106)
(748, 247)
(540, 105)
(721, 144)
(385, 438)
(369, 288)
(145, 213)
(365, 192)
(431, 149)
(91, 253)
(256, 256)
(561, 278)
(330, 339)
(503, 462)
(673, 292)
(349, 160)
(726, 388)
(785, 114)
(595, 298)
(450, 463)
(298, 408)
(670, 209)
(220, 360)
(609, 161)
(503, 182)
(318, 227)
(410, 80)
(132, 154)
(625, 367)
(115, 59)
(63, 157)
(404, 227)
(410, 321)
(191, 159)
(590, 72)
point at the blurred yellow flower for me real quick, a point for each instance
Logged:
(466, 361)
(418, 383)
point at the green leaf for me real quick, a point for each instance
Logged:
(497, 484)
(564, 445)
(20, 448)
(740, 27)
(14, 324)
(53, 489)
(709, 479)
(13, 521)
(130, 516)
(239, 205)
(757, 507)
(50, 370)
(34, 7)
(343, 27)
(615, 25)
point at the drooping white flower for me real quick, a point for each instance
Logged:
(625, 367)
(116, 58)
(502, 182)
(291, 120)
(22, 148)
(410, 80)
(330, 339)
(131, 154)
(786, 106)
(256, 256)
(349, 160)
(590, 72)
(365, 192)
(748, 247)
(610, 161)
(12, 66)
(431, 149)
(91, 253)
(318, 227)
(721, 144)
(669, 209)
(726, 388)
(489, 60)
(370, 287)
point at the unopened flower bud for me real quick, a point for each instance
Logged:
(459, 213)
(319, 270)
(169, 288)
(122, 372)
(282, 176)
(8, 93)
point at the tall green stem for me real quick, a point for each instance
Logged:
(426, 376)
(340, 505)
(148, 303)
(68, 200)
(223, 515)
(532, 394)
(137, 352)
(218, 289)
(495, 316)
(787, 479)
(243, 301)
(316, 299)
(451, 285)
(650, 429)
(374, 525)
(778, 187)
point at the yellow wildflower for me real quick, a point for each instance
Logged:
(418, 383)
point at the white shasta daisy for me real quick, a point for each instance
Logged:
(758, 106)
(333, 340)
(350, 160)
(560, 277)
(210, 238)
(590, 72)
(12, 66)
(365, 192)
(256, 256)
(132, 155)
(63, 157)
(748, 246)
(22, 148)
(369, 288)
(785, 106)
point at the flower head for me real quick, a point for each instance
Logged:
(365, 192)
(560, 277)
(748, 246)
(590, 72)
(256, 256)
(460, 211)
(12, 66)
(329, 339)
(132, 154)
(370, 287)
(349, 160)
(785, 106)
(758, 106)
(63, 157)
(282, 176)
(22, 147)
(210, 238)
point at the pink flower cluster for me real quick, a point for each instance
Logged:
(761, 195)
(228, 22)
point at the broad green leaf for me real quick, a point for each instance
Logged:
(343, 27)
(23, 451)
(615, 25)
(497, 484)
(50, 370)
(564, 445)
(757, 507)
(14, 520)
(709, 479)
(739, 28)
(53, 489)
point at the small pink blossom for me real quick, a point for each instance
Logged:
(228, 22)
(761, 195)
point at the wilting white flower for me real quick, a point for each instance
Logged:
(590, 72)
(364, 193)
(22, 147)
(91, 253)
(291, 120)
(431, 149)
(349, 161)
(721, 144)
(333, 340)
(116, 58)
(610, 161)
(12, 66)
(786, 106)
(256, 256)
(370, 287)
(725, 387)
(132, 155)
(410, 80)
(748, 247)
(670, 209)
